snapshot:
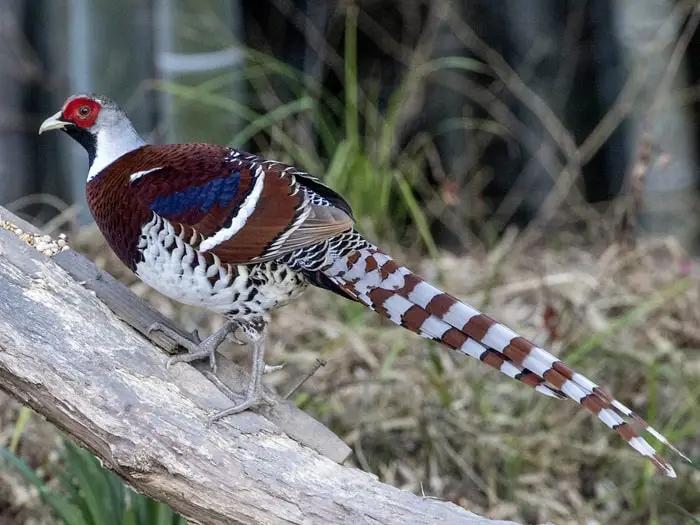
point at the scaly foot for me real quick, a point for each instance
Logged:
(196, 350)
(247, 404)
(254, 394)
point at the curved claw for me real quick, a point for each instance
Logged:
(268, 369)
(196, 349)
(160, 327)
(202, 353)
(249, 403)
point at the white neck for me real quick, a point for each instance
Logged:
(113, 141)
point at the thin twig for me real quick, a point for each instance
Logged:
(319, 363)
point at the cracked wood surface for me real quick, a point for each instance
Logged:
(68, 356)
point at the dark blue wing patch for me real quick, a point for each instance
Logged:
(218, 192)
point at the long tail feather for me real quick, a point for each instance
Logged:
(376, 280)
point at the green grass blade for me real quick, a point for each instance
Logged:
(408, 85)
(9, 458)
(90, 482)
(25, 414)
(68, 513)
(687, 515)
(272, 118)
(417, 214)
(449, 62)
(352, 129)
(636, 314)
(295, 77)
(130, 518)
(194, 93)
(339, 165)
(238, 110)
(328, 133)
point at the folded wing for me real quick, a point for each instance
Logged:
(239, 207)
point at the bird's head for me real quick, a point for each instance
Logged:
(99, 125)
(84, 113)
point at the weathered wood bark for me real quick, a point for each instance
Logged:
(64, 353)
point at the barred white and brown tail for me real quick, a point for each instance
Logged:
(374, 279)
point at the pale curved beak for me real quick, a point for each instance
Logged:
(53, 122)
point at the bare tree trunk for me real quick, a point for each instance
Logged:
(647, 31)
(15, 181)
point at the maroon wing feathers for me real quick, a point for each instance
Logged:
(245, 209)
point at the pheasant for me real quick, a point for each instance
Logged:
(239, 235)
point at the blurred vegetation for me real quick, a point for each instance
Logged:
(357, 152)
(79, 491)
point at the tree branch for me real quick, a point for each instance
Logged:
(67, 355)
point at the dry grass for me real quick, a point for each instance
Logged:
(434, 422)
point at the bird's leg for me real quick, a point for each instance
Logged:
(254, 393)
(199, 350)
(232, 337)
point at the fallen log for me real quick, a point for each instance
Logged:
(70, 348)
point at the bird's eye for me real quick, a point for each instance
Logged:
(84, 111)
